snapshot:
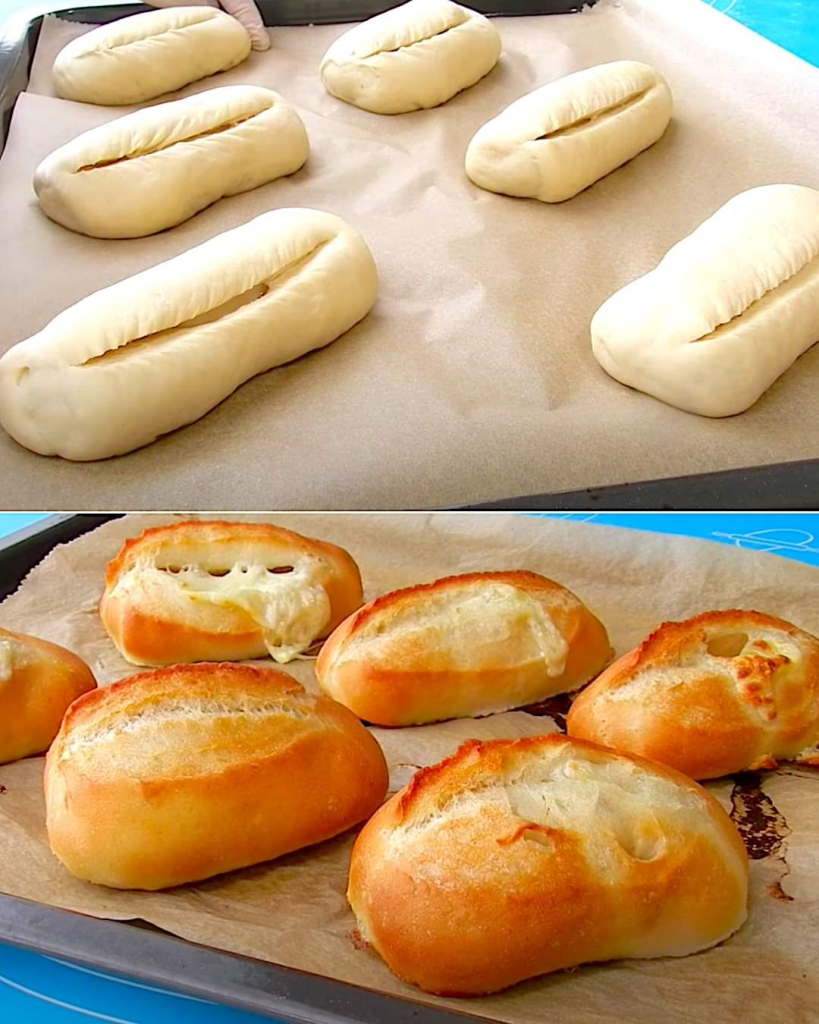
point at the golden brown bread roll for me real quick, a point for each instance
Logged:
(462, 646)
(514, 858)
(181, 773)
(38, 680)
(719, 693)
(219, 591)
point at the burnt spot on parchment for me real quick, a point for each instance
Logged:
(761, 825)
(2, 789)
(556, 708)
(358, 941)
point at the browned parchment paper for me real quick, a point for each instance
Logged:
(293, 911)
(473, 378)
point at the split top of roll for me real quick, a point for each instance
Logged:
(414, 56)
(724, 692)
(726, 311)
(160, 349)
(561, 138)
(186, 772)
(208, 591)
(132, 176)
(538, 854)
(462, 646)
(134, 59)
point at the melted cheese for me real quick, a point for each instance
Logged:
(289, 608)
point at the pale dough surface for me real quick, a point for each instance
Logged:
(159, 350)
(561, 138)
(157, 167)
(137, 58)
(727, 310)
(414, 56)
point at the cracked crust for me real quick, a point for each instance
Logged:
(182, 773)
(720, 693)
(515, 858)
(394, 663)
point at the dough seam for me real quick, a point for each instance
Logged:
(270, 284)
(709, 335)
(598, 115)
(142, 39)
(227, 126)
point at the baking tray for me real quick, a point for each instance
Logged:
(778, 486)
(146, 953)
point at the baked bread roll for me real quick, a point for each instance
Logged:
(514, 858)
(563, 137)
(38, 680)
(218, 591)
(412, 57)
(186, 772)
(134, 59)
(150, 170)
(462, 647)
(726, 311)
(720, 693)
(160, 349)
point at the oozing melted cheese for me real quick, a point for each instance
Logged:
(290, 609)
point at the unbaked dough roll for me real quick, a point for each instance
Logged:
(415, 56)
(154, 168)
(135, 59)
(160, 349)
(38, 681)
(563, 137)
(726, 311)
(514, 858)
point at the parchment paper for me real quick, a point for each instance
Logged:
(293, 911)
(473, 378)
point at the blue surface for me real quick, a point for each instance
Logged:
(39, 990)
(11, 522)
(793, 24)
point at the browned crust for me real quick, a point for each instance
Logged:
(171, 828)
(33, 701)
(704, 728)
(394, 696)
(151, 639)
(465, 930)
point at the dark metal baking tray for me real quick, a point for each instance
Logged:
(141, 951)
(789, 485)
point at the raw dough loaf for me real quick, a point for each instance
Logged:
(186, 772)
(726, 311)
(221, 591)
(150, 170)
(162, 348)
(415, 56)
(135, 59)
(563, 137)
(723, 692)
(514, 858)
